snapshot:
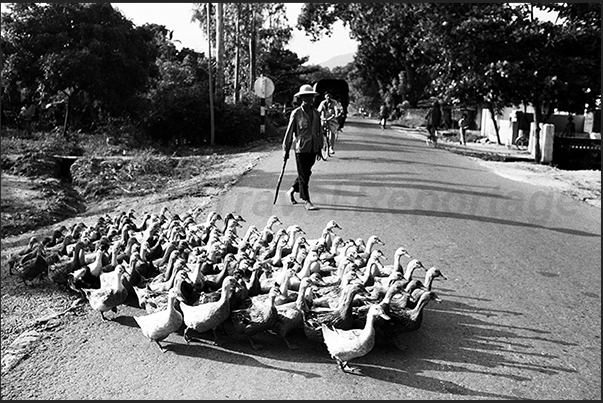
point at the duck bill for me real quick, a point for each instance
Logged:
(385, 316)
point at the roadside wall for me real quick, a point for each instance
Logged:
(509, 128)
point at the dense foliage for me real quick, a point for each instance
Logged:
(471, 53)
(84, 67)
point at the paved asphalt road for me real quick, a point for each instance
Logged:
(521, 316)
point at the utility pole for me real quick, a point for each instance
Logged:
(252, 47)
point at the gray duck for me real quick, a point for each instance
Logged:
(290, 317)
(17, 256)
(59, 270)
(259, 317)
(406, 319)
(34, 267)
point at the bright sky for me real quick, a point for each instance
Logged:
(177, 17)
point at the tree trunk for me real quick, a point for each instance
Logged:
(252, 49)
(66, 121)
(493, 116)
(237, 79)
(220, 53)
(211, 86)
(537, 119)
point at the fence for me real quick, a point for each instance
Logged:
(576, 153)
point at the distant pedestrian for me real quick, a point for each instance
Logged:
(340, 115)
(383, 115)
(570, 128)
(433, 119)
(27, 115)
(304, 135)
(463, 126)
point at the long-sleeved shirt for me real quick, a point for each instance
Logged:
(304, 130)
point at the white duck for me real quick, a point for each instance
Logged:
(327, 234)
(397, 265)
(267, 233)
(364, 254)
(345, 345)
(109, 296)
(432, 274)
(159, 325)
(293, 233)
(210, 315)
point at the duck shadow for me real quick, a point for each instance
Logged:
(225, 353)
(273, 347)
(455, 339)
(125, 320)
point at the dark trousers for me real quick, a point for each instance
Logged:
(305, 162)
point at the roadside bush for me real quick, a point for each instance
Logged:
(13, 142)
(238, 124)
(149, 162)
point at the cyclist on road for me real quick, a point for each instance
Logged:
(329, 114)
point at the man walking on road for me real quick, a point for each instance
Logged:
(433, 118)
(383, 114)
(304, 134)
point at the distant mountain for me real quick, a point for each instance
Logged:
(338, 61)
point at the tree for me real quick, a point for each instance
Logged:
(561, 66)
(85, 56)
(220, 53)
(284, 69)
(470, 50)
(388, 42)
(251, 32)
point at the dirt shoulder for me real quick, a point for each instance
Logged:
(518, 165)
(583, 185)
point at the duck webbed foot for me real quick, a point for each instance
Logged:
(188, 338)
(163, 349)
(291, 346)
(400, 345)
(224, 330)
(254, 345)
(343, 365)
(216, 342)
(351, 370)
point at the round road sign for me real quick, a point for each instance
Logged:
(263, 87)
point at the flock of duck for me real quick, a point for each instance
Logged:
(199, 275)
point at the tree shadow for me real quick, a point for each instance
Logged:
(447, 214)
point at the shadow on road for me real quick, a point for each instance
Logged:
(230, 352)
(459, 338)
(460, 216)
